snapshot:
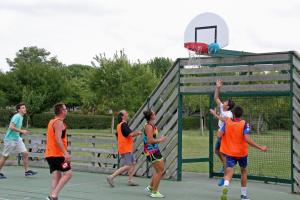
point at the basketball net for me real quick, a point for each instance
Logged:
(193, 57)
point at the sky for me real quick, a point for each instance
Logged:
(77, 30)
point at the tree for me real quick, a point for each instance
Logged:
(160, 65)
(36, 79)
(78, 77)
(118, 84)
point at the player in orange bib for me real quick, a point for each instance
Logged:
(234, 145)
(56, 153)
(125, 137)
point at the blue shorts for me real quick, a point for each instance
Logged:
(232, 161)
(218, 143)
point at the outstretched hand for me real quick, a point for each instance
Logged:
(219, 83)
(212, 111)
(264, 148)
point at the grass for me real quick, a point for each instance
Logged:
(274, 163)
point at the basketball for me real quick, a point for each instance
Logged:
(213, 48)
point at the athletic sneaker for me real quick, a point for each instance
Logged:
(148, 189)
(157, 195)
(221, 182)
(131, 183)
(110, 181)
(224, 193)
(244, 197)
(51, 198)
(2, 176)
(30, 173)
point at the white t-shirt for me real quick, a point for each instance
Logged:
(223, 113)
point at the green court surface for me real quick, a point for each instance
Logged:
(92, 186)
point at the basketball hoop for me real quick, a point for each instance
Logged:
(197, 47)
(206, 34)
(195, 50)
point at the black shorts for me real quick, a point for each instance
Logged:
(58, 164)
(155, 157)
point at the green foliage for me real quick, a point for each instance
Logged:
(5, 115)
(191, 123)
(36, 79)
(78, 77)
(75, 121)
(118, 84)
(160, 65)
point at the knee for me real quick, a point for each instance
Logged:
(25, 155)
(69, 174)
(243, 171)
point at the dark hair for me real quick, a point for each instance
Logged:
(148, 114)
(238, 111)
(230, 104)
(58, 108)
(18, 106)
(120, 115)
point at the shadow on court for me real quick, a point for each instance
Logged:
(91, 186)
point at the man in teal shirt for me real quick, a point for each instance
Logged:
(13, 141)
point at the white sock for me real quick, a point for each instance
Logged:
(244, 191)
(226, 183)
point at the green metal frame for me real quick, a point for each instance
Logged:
(232, 94)
(291, 123)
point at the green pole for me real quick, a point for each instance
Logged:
(211, 138)
(179, 122)
(291, 121)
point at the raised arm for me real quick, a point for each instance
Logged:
(214, 113)
(219, 84)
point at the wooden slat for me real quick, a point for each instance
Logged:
(95, 159)
(237, 88)
(296, 148)
(296, 78)
(296, 119)
(92, 140)
(297, 180)
(234, 69)
(35, 155)
(155, 94)
(296, 105)
(93, 150)
(225, 79)
(296, 63)
(296, 162)
(296, 133)
(296, 91)
(171, 160)
(262, 58)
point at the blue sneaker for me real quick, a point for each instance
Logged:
(221, 182)
(30, 173)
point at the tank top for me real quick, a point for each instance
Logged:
(150, 149)
(52, 148)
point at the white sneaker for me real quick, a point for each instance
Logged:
(244, 197)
